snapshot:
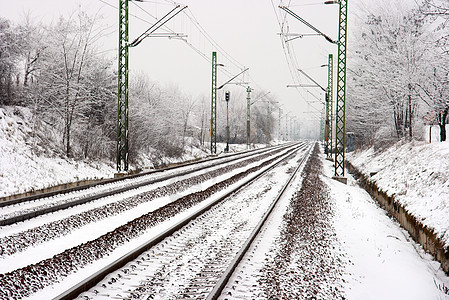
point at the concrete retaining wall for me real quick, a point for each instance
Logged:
(83, 184)
(47, 192)
(420, 233)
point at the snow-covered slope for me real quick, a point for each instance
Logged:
(417, 174)
(25, 165)
(28, 161)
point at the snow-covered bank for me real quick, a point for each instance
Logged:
(28, 163)
(25, 165)
(417, 175)
(384, 262)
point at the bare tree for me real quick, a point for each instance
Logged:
(388, 52)
(67, 67)
(10, 43)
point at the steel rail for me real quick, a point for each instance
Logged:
(221, 284)
(33, 214)
(132, 176)
(95, 278)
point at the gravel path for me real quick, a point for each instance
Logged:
(307, 262)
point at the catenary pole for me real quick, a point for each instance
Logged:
(213, 106)
(330, 101)
(248, 117)
(123, 72)
(122, 111)
(341, 92)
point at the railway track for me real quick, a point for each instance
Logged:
(26, 208)
(196, 256)
(62, 254)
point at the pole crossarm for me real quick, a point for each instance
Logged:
(311, 79)
(295, 36)
(170, 15)
(286, 9)
(169, 35)
(260, 98)
(303, 86)
(221, 86)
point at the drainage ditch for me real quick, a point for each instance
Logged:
(420, 233)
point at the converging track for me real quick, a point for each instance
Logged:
(74, 243)
(188, 259)
(26, 208)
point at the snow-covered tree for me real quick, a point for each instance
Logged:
(10, 50)
(73, 81)
(387, 53)
(434, 91)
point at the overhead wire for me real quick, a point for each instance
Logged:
(164, 27)
(133, 15)
(206, 37)
(289, 51)
(193, 19)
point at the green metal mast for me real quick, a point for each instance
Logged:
(279, 124)
(268, 122)
(326, 123)
(341, 92)
(248, 117)
(322, 122)
(122, 123)
(329, 102)
(213, 106)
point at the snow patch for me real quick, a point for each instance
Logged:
(416, 173)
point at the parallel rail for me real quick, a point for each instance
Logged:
(118, 179)
(97, 277)
(221, 284)
(33, 214)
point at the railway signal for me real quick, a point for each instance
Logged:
(213, 106)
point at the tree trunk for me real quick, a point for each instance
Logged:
(442, 124)
(442, 132)
(410, 114)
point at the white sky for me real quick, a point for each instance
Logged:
(247, 30)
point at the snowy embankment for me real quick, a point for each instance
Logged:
(30, 161)
(417, 175)
(26, 165)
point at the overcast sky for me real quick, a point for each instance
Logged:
(246, 29)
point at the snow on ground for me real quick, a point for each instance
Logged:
(22, 170)
(417, 175)
(385, 263)
(26, 166)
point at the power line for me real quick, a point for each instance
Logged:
(115, 7)
(187, 40)
(201, 29)
(166, 28)
(289, 52)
